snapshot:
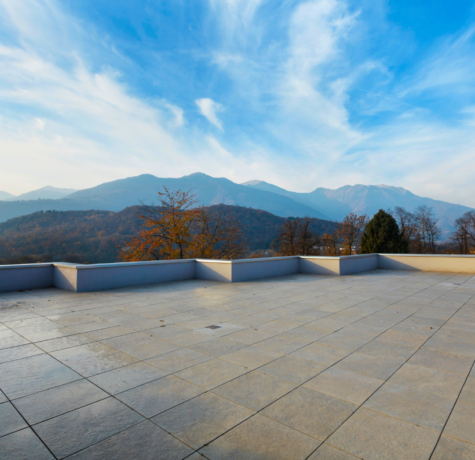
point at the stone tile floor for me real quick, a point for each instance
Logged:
(375, 366)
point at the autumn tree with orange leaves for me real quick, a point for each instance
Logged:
(179, 229)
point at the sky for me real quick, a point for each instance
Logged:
(301, 94)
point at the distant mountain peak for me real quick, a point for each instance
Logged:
(44, 193)
(50, 188)
(253, 182)
(6, 196)
(198, 174)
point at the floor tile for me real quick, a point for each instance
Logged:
(343, 340)
(260, 438)
(187, 339)
(10, 419)
(442, 362)
(310, 412)
(217, 347)
(31, 375)
(306, 333)
(402, 338)
(292, 369)
(144, 441)
(328, 324)
(140, 345)
(251, 357)
(22, 351)
(461, 424)
(212, 373)
(327, 452)
(200, 420)
(348, 386)
(78, 429)
(250, 336)
(34, 334)
(429, 380)
(92, 326)
(468, 391)
(177, 360)
(63, 342)
(282, 344)
(321, 354)
(58, 400)
(371, 366)
(23, 445)
(450, 346)
(415, 406)
(127, 377)
(93, 358)
(388, 350)
(374, 436)
(109, 333)
(157, 396)
(254, 390)
(453, 449)
(9, 339)
(275, 327)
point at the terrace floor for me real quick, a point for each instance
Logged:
(376, 366)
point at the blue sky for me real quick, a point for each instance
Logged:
(302, 94)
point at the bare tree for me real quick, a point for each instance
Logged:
(407, 225)
(427, 230)
(216, 236)
(285, 243)
(350, 231)
(297, 238)
(329, 241)
(464, 235)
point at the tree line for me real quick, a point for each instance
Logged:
(393, 231)
(180, 229)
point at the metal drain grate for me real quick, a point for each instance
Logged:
(213, 327)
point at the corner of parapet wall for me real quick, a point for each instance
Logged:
(65, 276)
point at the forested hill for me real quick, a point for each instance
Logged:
(94, 236)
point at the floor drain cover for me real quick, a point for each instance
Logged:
(213, 327)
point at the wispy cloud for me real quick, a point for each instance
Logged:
(209, 110)
(311, 93)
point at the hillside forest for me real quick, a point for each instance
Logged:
(97, 236)
(101, 236)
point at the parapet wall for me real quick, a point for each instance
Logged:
(85, 278)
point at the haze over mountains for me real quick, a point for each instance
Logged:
(44, 193)
(321, 203)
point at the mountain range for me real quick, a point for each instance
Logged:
(44, 193)
(322, 203)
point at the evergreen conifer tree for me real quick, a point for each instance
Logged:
(382, 235)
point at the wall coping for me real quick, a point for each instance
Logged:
(468, 256)
(219, 261)
(16, 266)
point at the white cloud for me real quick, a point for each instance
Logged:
(209, 109)
(290, 72)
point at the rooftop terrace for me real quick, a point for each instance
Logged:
(376, 365)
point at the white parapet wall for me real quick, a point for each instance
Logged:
(450, 263)
(252, 269)
(26, 276)
(86, 278)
